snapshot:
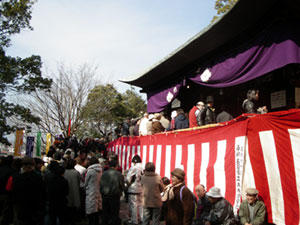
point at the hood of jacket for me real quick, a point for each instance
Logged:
(96, 167)
(181, 117)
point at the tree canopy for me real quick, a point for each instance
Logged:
(223, 6)
(106, 108)
(17, 75)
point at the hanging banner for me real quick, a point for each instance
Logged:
(38, 143)
(48, 142)
(29, 146)
(18, 142)
(69, 129)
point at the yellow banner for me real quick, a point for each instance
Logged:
(19, 142)
(48, 142)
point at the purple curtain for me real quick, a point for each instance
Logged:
(158, 100)
(274, 48)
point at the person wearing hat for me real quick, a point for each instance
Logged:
(208, 114)
(194, 115)
(221, 212)
(180, 204)
(135, 190)
(252, 211)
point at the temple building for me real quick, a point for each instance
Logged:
(255, 45)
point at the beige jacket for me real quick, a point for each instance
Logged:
(152, 187)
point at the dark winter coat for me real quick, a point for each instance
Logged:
(207, 116)
(203, 209)
(28, 192)
(181, 122)
(112, 183)
(223, 117)
(221, 213)
(249, 106)
(181, 210)
(57, 190)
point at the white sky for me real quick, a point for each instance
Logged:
(123, 38)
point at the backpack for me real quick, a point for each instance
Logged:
(194, 200)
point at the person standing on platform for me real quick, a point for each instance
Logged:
(194, 113)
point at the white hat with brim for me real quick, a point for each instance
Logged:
(214, 192)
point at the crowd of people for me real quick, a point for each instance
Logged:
(73, 188)
(199, 115)
(153, 198)
(80, 179)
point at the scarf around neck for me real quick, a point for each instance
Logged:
(170, 190)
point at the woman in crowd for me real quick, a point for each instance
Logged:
(181, 205)
(73, 178)
(93, 201)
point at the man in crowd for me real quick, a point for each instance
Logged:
(203, 205)
(194, 115)
(152, 187)
(223, 116)
(135, 190)
(143, 126)
(208, 114)
(111, 187)
(249, 104)
(164, 121)
(221, 212)
(126, 126)
(27, 192)
(252, 211)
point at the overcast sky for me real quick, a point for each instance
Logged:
(123, 38)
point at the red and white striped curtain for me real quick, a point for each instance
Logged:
(261, 151)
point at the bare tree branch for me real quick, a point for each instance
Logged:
(64, 101)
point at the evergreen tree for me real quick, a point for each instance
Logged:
(17, 75)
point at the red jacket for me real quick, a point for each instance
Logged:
(192, 117)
